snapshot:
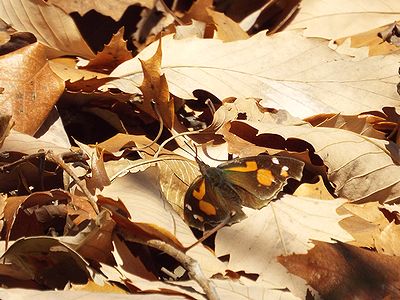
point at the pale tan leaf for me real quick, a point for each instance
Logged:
(51, 26)
(339, 18)
(304, 77)
(17, 294)
(362, 169)
(254, 243)
(113, 8)
(140, 192)
(27, 144)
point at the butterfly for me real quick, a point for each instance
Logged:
(218, 194)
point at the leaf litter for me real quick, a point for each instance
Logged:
(100, 134)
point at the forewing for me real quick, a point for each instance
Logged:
(258, 179)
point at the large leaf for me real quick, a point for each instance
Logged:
(363, 169)
(339, 18)
(254, 243)
(51, 26)
(304, 77)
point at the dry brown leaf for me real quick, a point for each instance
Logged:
(365, 44)
(362, 169)
(113, 8)
(358, 124)
(254, 243)
(30, 87)
(50, 25)
(63, 265)
(227, 29)
(341, 271)
(155, 88)
(374, 226)
(113, 54)
(305, 77)
(339, 18)
(66, 69)
(43, 210)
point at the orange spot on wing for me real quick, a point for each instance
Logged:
(251, 166)
(265, 177)
(199, 194)
(207, 208)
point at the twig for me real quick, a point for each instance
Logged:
(190, 264)
(58, 159)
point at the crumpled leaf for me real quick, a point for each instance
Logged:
(30, 87)
(341, 271)
(49, 261)
(305, 77)
(254, 243)
(50, 25)
(339, 18)
(367, 172)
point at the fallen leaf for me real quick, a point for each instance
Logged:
(30, 87)
(114, 9)
(341, 271)
(340, 18)
(49, 262)
(140, 192)
(366, 173)
(305, 77)
(50, 25)
(113, 54)
(254, 243)
(155, 88)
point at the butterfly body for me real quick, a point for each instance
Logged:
(219, 193)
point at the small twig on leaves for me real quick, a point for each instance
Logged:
(58, 159)
(191, 265)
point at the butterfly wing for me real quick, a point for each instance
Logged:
(207, 204)
(258, 179)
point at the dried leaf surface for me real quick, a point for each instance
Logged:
(305, 77)
(50, 25)
(114, 8)
(368, 171)
(342, 271)
(30, 87)
(254, 243)
(340, 18)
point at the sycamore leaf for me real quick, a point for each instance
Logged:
(30, 87)
(339, 18)
(304, 77)
(341, 271)
(50, 25)
(254, 243)
(362, 169)
(114, 9)
(140, 193)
